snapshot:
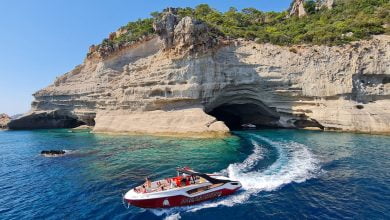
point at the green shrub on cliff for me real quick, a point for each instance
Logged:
(310, 6)
(131, 32)
(349, 20)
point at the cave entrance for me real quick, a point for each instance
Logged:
(241, 116)
(87, 118)
(89, 121)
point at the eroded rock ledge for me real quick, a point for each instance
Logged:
(190, 81)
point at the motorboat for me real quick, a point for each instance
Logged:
(248, 126)
(187, 188)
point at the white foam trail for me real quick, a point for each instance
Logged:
(170, 214)
(252, 159)
(173, 217)
(295, 163)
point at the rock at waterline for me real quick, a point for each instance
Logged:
(4, 120)
(82, 128)
(53, 153)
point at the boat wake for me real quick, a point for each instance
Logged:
(295, 163)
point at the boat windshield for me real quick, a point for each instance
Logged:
(202, 175)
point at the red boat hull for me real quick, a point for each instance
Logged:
(180, 200)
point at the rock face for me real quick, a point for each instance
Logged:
(183, 82)
(4, 120)
(298, 8)
(185, 36)
(165, 28)
(46, 119)
(328, 4)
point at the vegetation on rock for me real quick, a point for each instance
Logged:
(132, 32)
(348, 20)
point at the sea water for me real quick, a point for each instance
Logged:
(286, 174)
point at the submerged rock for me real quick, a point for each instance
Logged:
(53, 153)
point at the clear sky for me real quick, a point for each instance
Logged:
(42, 39)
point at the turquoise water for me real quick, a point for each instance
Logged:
(285, 174)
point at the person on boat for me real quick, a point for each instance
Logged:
(148, 183)
(178, 181)
(173, 185)
(184, 181)
(192, 179)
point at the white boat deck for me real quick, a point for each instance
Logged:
(167, 184)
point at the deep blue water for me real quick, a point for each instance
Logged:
(286, 174)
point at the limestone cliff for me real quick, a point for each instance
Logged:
(190, 81)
